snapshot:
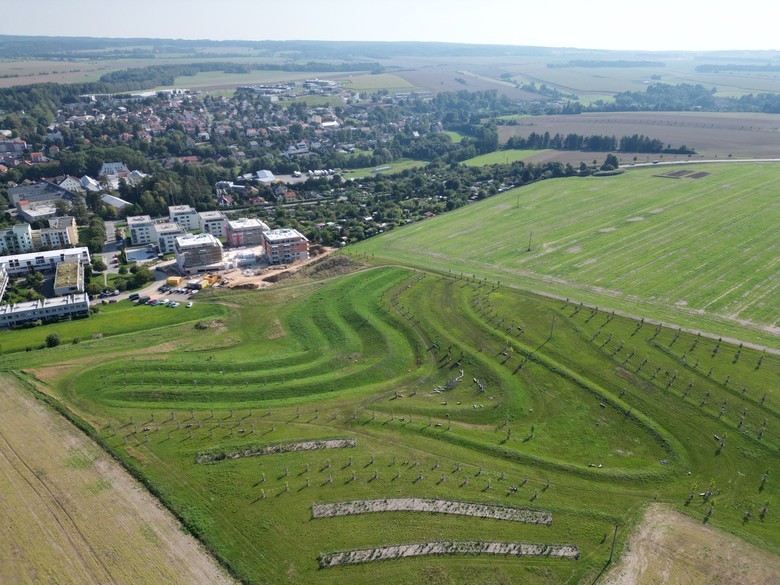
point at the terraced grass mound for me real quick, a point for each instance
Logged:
(450, 389)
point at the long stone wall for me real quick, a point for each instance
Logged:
(367, 555)
(435, 506)
(276, 448)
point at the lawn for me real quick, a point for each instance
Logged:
(389, 169)
(454, 136)
(113, 319)
(700, 250)
(452, 388)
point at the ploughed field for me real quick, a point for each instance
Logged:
(407, 426)
(696, 245)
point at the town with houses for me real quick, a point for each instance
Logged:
(185, 176)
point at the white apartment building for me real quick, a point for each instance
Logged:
(165, 235)
(3, 281)
(185, 216)
(212, 222)
(21, 264)
(46, 309)
(61, 232)
(17, 239)
(141, 230)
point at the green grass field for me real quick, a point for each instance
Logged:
(114, 319)
(373, 83)
(502, 157)
(392, 168)
(452, 388)
(454, 136)
(699, 252)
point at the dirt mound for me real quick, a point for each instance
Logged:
(332, 265)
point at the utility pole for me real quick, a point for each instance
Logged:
(530, 235)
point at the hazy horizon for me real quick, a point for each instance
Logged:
(663, 26)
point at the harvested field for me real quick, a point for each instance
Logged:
(73, 515)
(437, 80)
(432, 506)
(368, 555)
(668, 547)
(710, 134)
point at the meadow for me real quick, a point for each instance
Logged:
(693, 245)
(392, 382)
(502, 157)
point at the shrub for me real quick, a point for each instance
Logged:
(52, 340)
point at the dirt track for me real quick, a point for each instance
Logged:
(70, 514)
(671, 548)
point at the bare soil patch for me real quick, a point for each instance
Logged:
(637, 218)
(669, 547)
(73, 515)
(277, 331)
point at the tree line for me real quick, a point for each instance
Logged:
(595, 143)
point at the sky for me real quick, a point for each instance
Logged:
(655, 25)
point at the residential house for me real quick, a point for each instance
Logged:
(113, 168)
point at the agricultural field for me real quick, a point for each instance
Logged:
(694, 245)
(72, 515)
(375, 82)
(503, 157)
(455, 428)
(712, 135)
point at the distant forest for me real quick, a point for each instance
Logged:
(605, 63)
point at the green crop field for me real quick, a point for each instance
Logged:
(503, 157)
(426, 386)
(701, 250)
